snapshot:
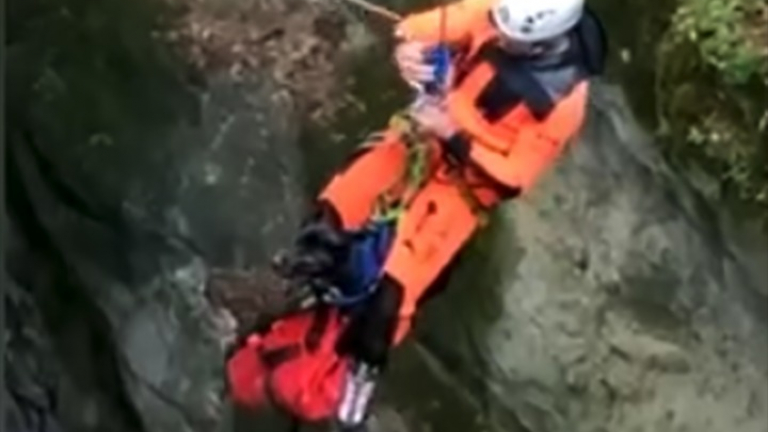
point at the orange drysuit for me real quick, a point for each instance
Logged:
(515, 120)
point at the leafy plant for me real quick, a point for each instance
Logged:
(712, 81)
(729, 33)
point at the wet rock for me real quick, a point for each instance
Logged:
(43, 392)
(162, 331)
(386, 420)
(31, 378)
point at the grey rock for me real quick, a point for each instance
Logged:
(31, 378)
(611, 298)
(170, 341)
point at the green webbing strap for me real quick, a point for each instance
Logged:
(415, 174)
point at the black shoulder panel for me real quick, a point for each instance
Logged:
(520, 81)
(591, 43)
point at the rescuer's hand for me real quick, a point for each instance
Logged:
(410, 61)
(432, 116)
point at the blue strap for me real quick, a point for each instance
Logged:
(440, 58)
(368, 253)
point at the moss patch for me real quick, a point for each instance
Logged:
(712, 87)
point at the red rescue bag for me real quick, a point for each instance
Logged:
(294, 365)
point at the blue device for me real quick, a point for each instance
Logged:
(439, 57)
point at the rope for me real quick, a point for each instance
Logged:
(377, 10)
(393, 202)
(416, 173)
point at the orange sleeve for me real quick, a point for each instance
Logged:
(532, 147)
(460, 19)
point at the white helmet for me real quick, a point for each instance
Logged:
(536, 20)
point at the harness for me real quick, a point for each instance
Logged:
(418, 162)
(371, 244)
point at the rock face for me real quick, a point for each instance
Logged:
(610, 300)
(30, 381)
(145, 287)
(132, 174)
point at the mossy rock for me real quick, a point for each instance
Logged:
(707, 121)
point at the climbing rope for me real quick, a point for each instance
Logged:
(377, 10)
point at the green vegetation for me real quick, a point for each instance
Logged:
(712, 88)
(730, 34)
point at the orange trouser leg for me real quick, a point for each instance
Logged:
(434, 228)
(436, 225)
(354, 190)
